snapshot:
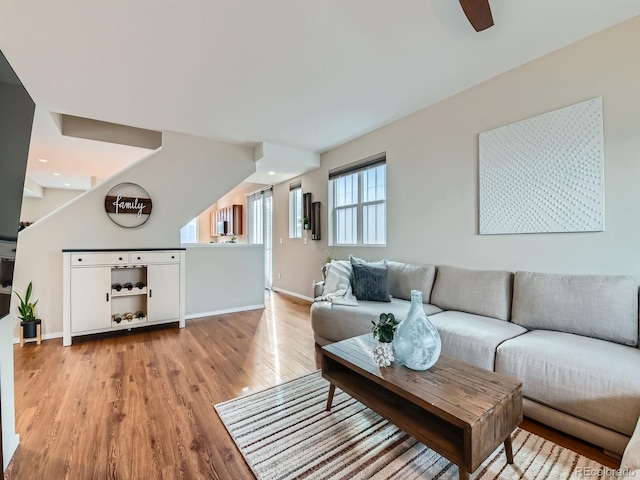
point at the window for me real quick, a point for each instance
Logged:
(189, 233)
(295, 210)
(357, 203)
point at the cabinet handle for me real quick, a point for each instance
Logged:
(150, 293)
(172, 256)
(119, 258)
(107, 297)
(138, 258)
(79, 259)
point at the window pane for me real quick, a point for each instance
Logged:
(295, 213)
(255, 222)
(346, 190)
(346, 225)
(374, 181)
(340, 192)
(189, 233)
(298, 213)
(381, 183)
(373, 228)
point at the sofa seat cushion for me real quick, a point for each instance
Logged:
(338, 322)
(591, 379)
(473, 338)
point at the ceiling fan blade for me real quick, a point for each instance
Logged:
(478, 13)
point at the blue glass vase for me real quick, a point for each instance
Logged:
(416, 342)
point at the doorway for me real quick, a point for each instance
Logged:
(260, 226)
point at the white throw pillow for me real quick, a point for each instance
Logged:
(338, 277)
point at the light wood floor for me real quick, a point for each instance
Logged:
(139, 405)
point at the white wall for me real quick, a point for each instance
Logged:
(224, 278)
(182, 178)
(432, 162)
(34, 208)
(9, 438)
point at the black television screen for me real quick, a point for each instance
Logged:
(16, 119)
(222, 228)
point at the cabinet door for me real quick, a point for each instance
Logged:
(164, 292)
(90, 298)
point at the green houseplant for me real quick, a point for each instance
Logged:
(385, 327)
(27, 311)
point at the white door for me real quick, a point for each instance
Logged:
(163, 292)
(90, 298)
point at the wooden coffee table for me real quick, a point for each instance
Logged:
(460, 411)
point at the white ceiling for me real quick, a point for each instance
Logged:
(307, 75)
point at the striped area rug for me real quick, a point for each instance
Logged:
(284, 432)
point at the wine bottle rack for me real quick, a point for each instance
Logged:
(128, 295)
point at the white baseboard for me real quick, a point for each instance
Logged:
(45, 336)
(222, 312)
(293, 294)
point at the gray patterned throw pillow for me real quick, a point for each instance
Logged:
(370, 282)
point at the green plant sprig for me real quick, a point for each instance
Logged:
(384, 329)
(26, 309)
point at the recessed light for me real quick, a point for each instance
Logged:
(43, 160)
(67, 184)
(57, 174)
(272, 173)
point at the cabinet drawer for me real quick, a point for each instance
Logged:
(144, 258)
(115, 258)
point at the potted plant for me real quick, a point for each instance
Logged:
(27, 311)
(383, 331)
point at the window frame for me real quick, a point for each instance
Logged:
(359, 169)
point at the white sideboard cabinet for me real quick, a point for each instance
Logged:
(107, 290)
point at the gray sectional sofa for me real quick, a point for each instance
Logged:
(571, 339)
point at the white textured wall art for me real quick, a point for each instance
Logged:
(544, 174)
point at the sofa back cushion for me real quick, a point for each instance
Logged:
(404, 277)
(599, 306)
(483, 292)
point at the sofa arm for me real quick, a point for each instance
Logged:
(631, 457)
(318, 287)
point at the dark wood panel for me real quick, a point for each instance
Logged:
(443, 437)
(449, 386)
(478, 12)
(443, 411)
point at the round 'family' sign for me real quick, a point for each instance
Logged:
(128, 205)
